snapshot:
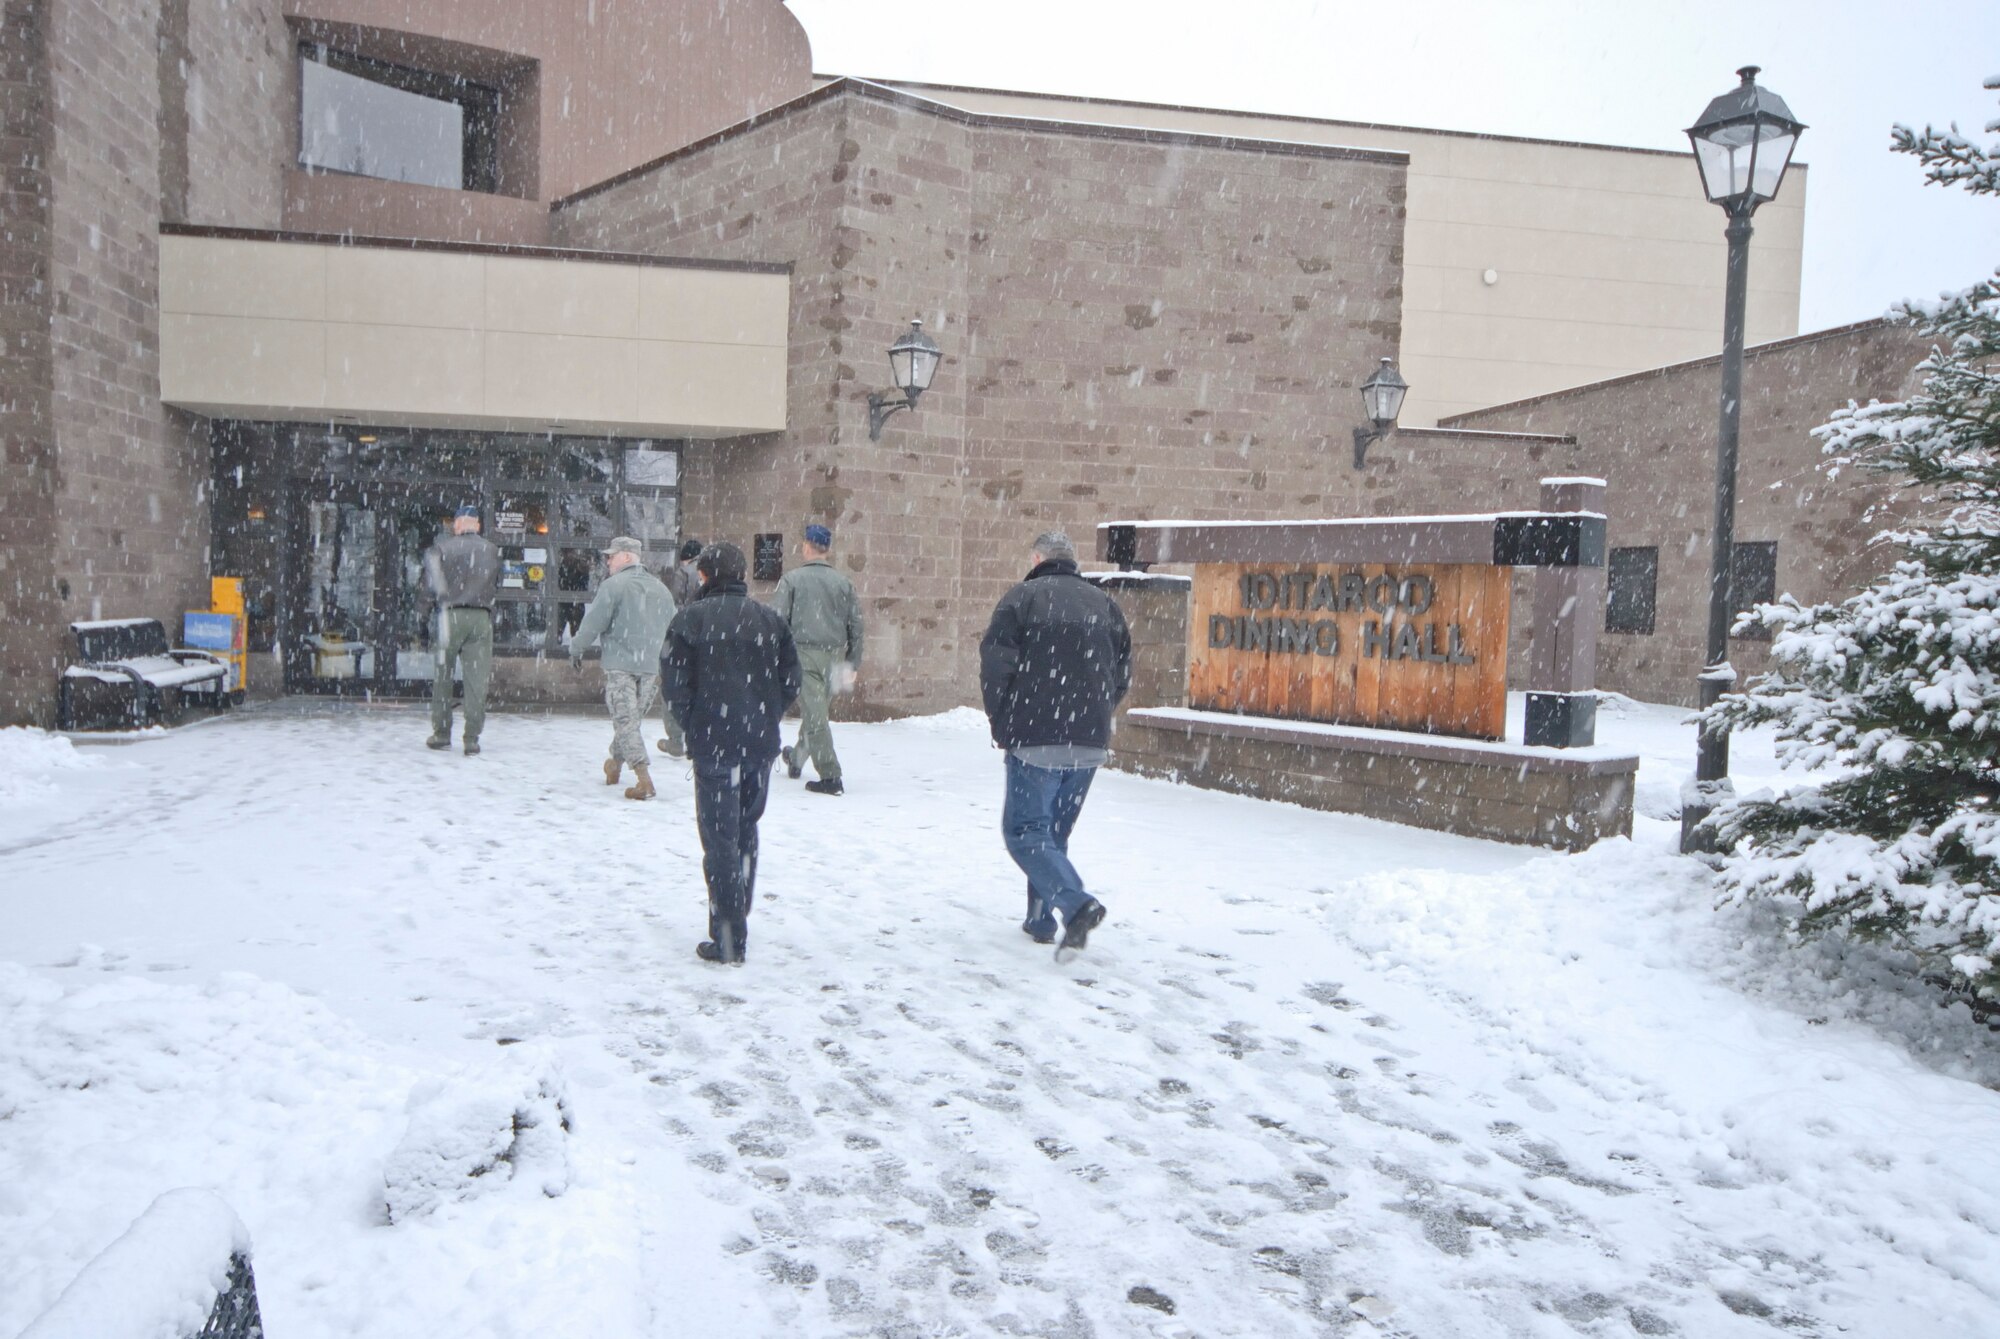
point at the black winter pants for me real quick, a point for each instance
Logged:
(727, 804)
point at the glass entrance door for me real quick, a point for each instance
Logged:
(356, 592)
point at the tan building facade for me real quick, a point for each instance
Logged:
(286, 282)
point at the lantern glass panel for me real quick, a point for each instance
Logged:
(923, 366)
(1773, 155)
(899, 367)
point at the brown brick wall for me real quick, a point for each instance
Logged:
(1652, 438)
(117, 113)
(242, 110)
(28, 473)
(1130, 327)
(131, 530)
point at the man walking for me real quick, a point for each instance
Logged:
(820, 607)
(684, 585)
(461, 572)
(1053, 666)
(630, 613)
(729, 671)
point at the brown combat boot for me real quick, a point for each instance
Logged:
(611, 767)
(642, 789)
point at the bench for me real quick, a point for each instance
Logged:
(126, 676)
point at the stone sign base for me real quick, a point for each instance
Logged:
(1563, 798)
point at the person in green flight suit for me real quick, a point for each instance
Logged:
(824, 614)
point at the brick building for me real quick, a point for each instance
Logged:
(285, 280)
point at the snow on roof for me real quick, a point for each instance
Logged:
(93, 625)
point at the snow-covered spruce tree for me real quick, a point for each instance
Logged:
(1900, 685)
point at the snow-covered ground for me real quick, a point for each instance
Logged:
(1316, 1075)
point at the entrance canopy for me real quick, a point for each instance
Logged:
(258, 325)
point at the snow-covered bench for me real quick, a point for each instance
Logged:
(182, 1270)
(127, 676)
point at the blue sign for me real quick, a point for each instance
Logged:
(209, 632)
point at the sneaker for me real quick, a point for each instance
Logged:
(438, 742)
(1076, 934)
(471, 747)
(825, 787)
(795, 766)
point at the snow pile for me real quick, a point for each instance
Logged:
(468, 1138)
(158, 1281)
(114, 1088)
(30, 760)
(959, 720)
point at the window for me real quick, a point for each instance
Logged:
(1753, 580)
(1631, 580)
(374, 119)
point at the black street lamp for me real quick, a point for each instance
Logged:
(1743, 143)
(1382, 400)
(913, 361)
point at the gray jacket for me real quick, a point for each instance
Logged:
(630, 612)
(822, 609)
(682, 581)
(461, 571)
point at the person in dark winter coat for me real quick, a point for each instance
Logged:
(1054, 664)
(728, 671)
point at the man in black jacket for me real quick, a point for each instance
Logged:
(728, 671)
(1053, 666)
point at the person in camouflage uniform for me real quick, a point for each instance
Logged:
(629, 614)
(461, 572)
(824, 614)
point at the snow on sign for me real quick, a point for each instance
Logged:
(1399, 647)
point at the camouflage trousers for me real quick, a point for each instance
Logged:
(630, 697)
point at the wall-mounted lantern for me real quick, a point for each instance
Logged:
(913, 361)
(1382, 400)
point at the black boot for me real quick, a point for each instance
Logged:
(1077, 932)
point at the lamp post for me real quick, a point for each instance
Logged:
(1382, 400)
(1743, 143)
(913, 361)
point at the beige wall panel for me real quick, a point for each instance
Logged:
(1581, 344)
(713, 306)
(562, 297)
(401, 369)
(742, 385)
(1590, 256)
(1556, 297)
(561, 378)
(382, 286)
(242, 360)
(218, 277)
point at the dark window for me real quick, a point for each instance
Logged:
(1753, 580)
(374, 119)
(1631, 579)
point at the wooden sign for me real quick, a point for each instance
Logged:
(1394, 646)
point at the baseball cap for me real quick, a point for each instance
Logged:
(819, 536)
(467, 510)
(624, 544)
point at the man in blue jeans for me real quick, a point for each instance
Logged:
(1054, 664)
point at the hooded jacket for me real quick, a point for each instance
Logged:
(728, 671)
(1055, 662)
